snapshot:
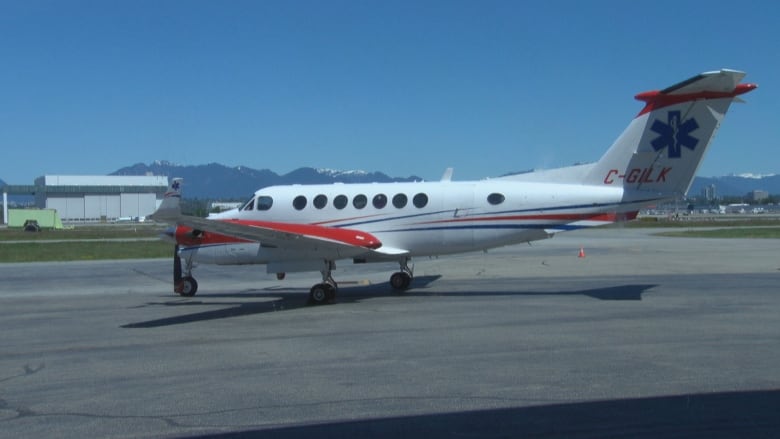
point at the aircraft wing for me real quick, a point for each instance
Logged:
(344, 242)
(312, 238)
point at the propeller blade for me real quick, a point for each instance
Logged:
(169, 234)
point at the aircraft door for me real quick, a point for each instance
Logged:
(458, 234)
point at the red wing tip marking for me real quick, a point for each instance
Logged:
(658, 99)
(649, 96)
(369, 242)
(344, 236)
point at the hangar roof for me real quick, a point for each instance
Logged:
(102, 180)
(91, 184)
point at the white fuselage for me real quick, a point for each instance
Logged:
(423, 218)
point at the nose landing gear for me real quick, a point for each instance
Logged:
(185, 286)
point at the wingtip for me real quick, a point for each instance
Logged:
(745, 88)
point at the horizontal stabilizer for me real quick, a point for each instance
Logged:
(723, 81)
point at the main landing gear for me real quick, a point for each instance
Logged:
(185, 286)
(325, 292)
(402, 279)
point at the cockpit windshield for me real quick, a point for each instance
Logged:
(249, 205)
(262, 202)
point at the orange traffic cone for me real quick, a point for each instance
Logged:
(582, 253)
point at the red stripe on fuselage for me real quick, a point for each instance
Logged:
(611, 217)
(615, 217)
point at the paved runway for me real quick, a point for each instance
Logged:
(644, 337)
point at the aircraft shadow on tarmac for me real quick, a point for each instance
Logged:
(743, 414)
(277, 300)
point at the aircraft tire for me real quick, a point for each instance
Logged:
(190, 286)
(400, 281)
(321, 294)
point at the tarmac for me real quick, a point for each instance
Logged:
(645, 336)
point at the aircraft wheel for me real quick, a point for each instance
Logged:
(400, 280)
(321, 294)
(189, 286)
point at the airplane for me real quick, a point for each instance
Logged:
(310, 227)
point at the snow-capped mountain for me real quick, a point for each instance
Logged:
(215, 180)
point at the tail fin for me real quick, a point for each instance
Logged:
(663, 146)
(170, 208)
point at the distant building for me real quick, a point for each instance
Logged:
(221, 206)
(95, 198)
(709, 193)
(756, 196)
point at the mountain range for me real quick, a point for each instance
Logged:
(217, 181)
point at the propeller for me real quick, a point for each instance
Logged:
(169, 234)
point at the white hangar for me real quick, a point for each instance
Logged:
(93, 198)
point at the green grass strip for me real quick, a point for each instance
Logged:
(654, 223)
(731, 232)
(106, 232)
(83, 251)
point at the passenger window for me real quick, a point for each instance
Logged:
(340, 201)
(495, 198)
(380, 201)
(320, 201)
(420, 200)
(299, 202)
(264, 202)
(360, 201)
(399, 201)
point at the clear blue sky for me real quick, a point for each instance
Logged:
(402, 87)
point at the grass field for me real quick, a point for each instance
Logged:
(757, 227)
(83, 250)
(729, 232)
(84, 243)
(84, 232)
(140, 241)
(693, 222)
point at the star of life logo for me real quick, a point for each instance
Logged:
(674, 134)
(173, 191)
